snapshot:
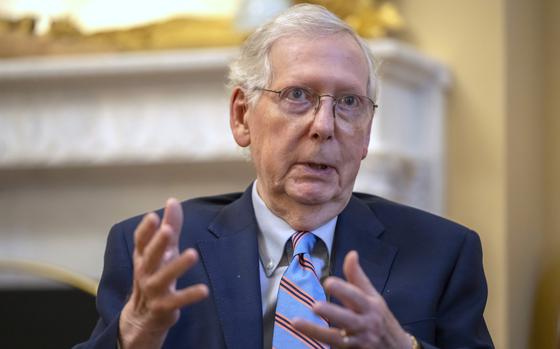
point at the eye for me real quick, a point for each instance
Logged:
(349, 101)
(296, 94)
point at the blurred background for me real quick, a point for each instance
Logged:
(107, 108)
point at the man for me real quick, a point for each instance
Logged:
(375, 274)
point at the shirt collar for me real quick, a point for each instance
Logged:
(274, 232)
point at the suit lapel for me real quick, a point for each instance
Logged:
(231, 260)
(359, 229)
(230, 257)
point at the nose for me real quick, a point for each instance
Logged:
(322, 126)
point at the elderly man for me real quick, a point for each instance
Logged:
(297, 260)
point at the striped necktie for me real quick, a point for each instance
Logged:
(299, 289)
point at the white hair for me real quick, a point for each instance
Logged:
(252, 69)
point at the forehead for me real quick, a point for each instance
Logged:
(334, 62)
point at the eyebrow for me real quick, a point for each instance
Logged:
(338, 91)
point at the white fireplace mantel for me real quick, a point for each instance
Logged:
(70, 126)
(158, 107)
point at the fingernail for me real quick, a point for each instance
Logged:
(205, 289)
(328, 282)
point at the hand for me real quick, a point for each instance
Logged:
(365, 321)
(155, 303)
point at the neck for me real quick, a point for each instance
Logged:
(300, 216)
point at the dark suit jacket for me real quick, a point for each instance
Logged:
(428, 269)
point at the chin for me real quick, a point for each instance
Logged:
(311, 195)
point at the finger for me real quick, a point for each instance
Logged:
(338, 316)
(173, 216)
(153, 253)
(181, 298)
(326, 335)
(161, 280)
(355, 274)
(145, 231)
(191, 294)
(348, 294)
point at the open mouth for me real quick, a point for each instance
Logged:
(317, 166)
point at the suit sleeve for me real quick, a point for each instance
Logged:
(114, 288)
(460, 321)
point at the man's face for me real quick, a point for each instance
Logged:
(311, 159)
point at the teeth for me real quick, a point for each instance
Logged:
(318, 166)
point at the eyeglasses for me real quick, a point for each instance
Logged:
(296, 100)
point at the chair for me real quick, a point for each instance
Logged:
(46, 317)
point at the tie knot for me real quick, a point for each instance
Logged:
(303, 242)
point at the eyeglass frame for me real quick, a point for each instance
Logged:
(318, 97)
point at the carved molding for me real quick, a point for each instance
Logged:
(172, 106)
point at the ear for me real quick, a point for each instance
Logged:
(367, 136)
(238, 120)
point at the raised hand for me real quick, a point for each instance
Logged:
(364, 321)
(155, 303)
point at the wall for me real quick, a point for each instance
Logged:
(467, 36)
(524, 128)
(545, 331)
(504, 149)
